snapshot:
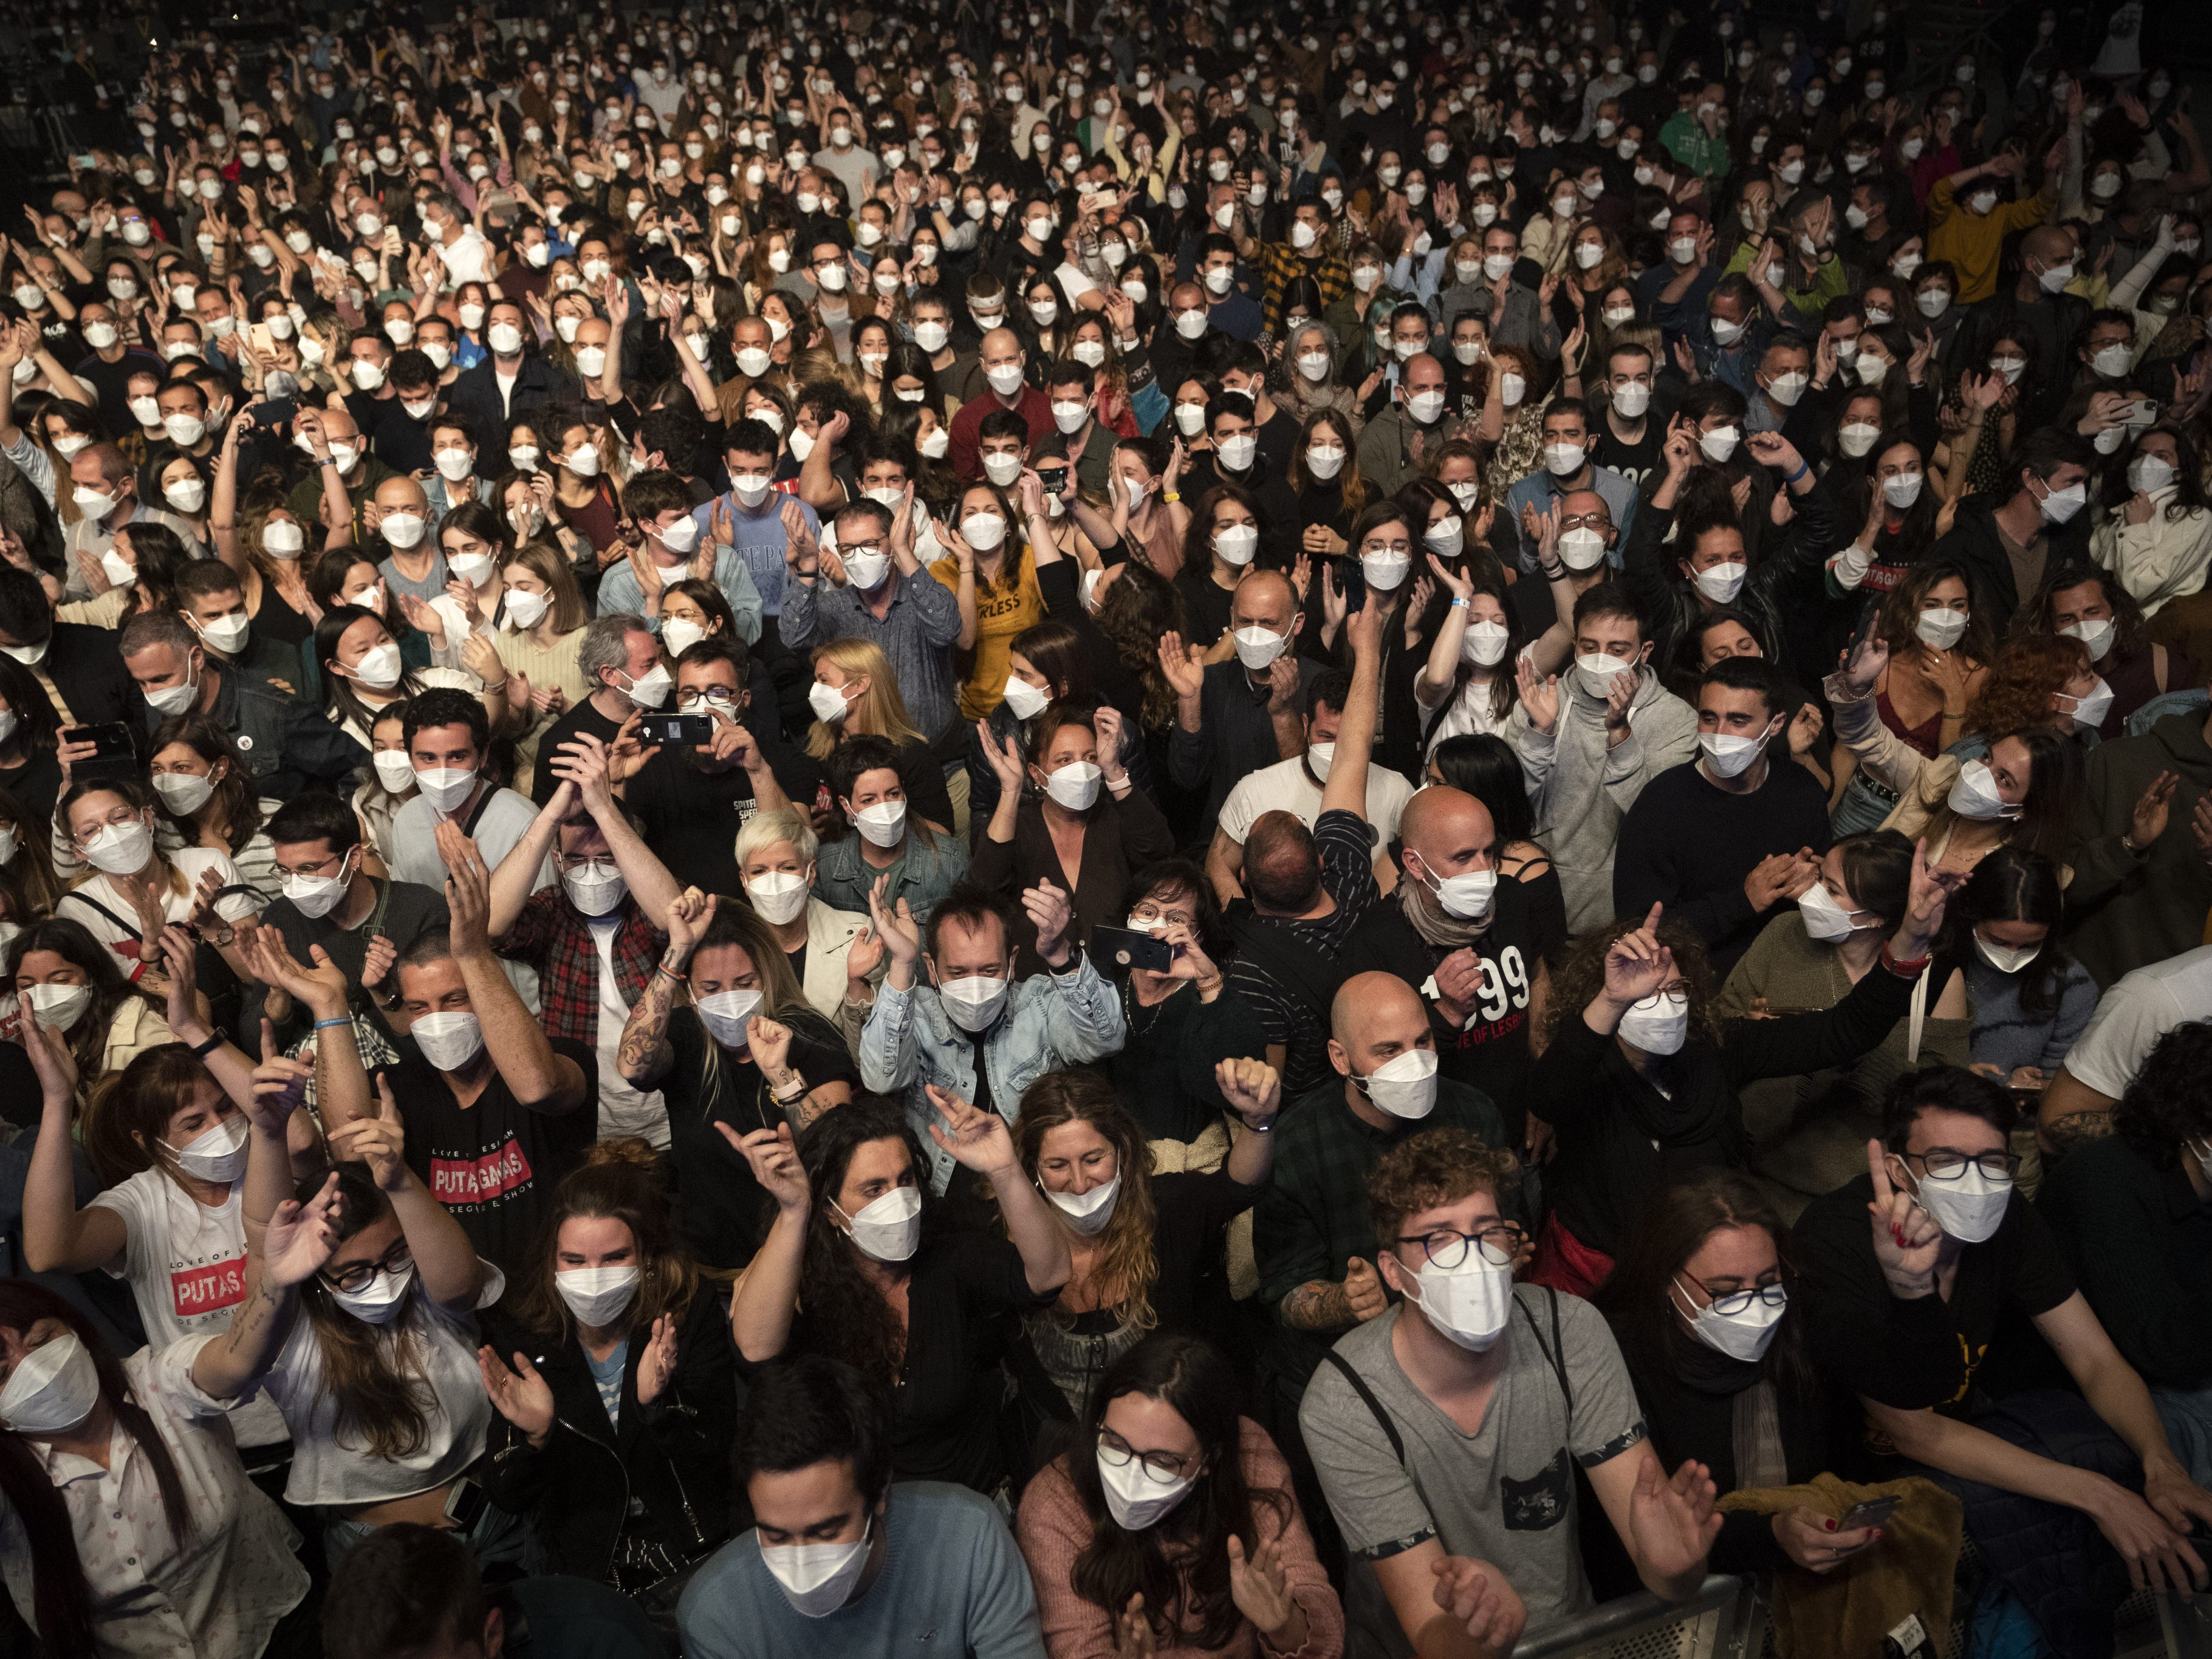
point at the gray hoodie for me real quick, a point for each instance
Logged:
(1581, 790)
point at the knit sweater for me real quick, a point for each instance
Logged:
(1055, 1529)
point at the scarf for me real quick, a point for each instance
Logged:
(1435, 924)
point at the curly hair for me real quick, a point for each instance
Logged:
(2169, 1100)
(843, 1313)
(2028, 673)
(1576, 985)
(1436, 1166)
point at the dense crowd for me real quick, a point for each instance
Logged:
(1105, 832)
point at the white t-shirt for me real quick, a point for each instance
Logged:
(1467, 712)
(1286, 786)
(458, 1410)
(186, 1265)
(192, 862)
(2136, 1013)
(624, 1110)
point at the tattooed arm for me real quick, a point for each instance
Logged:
(1328, 1309)
(300, 1239)
(644, 1056)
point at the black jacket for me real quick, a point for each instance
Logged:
(1973, 542)
(474, 398)
(672, 1455)
(287, 741)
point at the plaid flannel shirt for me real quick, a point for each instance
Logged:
(554, 938)
(1281, 264)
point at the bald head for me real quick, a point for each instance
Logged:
(1376, 1018)
(2047, 245)
(1443, 824)
(400, 493)
(1282, 870)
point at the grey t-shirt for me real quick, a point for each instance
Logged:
(1505, 1494)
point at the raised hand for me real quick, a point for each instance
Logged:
(1362, 1289)
(376, 960)
(900, 933)
(1184, 666)
(688, 912)
(1868, 659)
(380, 1141)
(1133, 1631)
(468, 890)
(978, 1140)
(770, 1042)
(1003, 758)
(1050, 913)
(656, 1365)
(1671, 1520)
(1636, 964)
(1540, 694)
(1907, 1240)
(774, 1162)
(48, 1048)
(1923, 906)
(280, 1086)
(1481, 1600)
(2152, 809)
(1261, 1592)
(1252, 1088)
(301, 1238)
(521, 1395)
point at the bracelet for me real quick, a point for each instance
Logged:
(1265, 1128)
(1461, 603)
(797, 1091)
(1803, 471)
(501, 686)
(662, 968)
(1172, 495)
(1911, 970)
(202, 1050)
(342, 1019)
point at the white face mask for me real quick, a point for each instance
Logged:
(1075, 785)
(60, 1006)
(2091, 707)
(883, 823)
(445, 787)
(1941, 628)
(974, 1003)
(1856, 438)
(1135, 1497)
(2147, 473)
(2096, 634)
(121, 849)
(1970, 1209)
(1720, 443)
(182, 793)
(594, 887)
(448, 1041)
(650, 689)
(1594, 673)
(1088, 1214)
(1745, 1334)
(1324, 461)
(1975, 795)
(379, 1302)
(2005, 958)
(1469, 1305)
(2061, 505)
(1403, 1086)
(889, 1229)
(217, 1153)
(597, 1295)
(1728, 755)
(983, 531)
(1384, 569)
(53, 1387)
(817, 1579)
(1827, 922)
(1660, 1028)
(1581, 548)
(1721, 582)
(778, 895)
(1026, 702)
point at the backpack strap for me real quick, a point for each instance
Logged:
(1359, 1387)
(1555, 1350)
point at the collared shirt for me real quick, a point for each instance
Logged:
(915, 633)
(555, 937)
(921, 874)
(218, 1594)
(1281, 264)
(1539, 490)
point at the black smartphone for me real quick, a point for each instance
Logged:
(1351, 577)
(1126, 947)
(1871, 1513)
(110, 739)
(1054, 479)
(675, 728)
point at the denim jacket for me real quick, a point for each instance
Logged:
(1050, 1020)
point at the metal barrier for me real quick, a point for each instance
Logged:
(1725, 1620)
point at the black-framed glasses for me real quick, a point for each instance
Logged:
(356, 1275)
(1447, 1246)
(1736, 1302)
(1949, 1164)
(1165, 1467)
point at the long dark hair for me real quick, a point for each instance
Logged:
(1485, 767)
(846, 1316)
(37, 726)
(374, 1373)
(2014, 884)
(61, 1595)
(73, 942)
(1643, 1306)
(338, 691)
(620, 1180)
(1193, 1377)
(2130, 628)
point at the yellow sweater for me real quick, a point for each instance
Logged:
(1973, 242)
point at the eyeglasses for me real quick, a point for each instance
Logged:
(1677, 989)
(1949, 1164)
(1736, 1302)
(1447, 1246)
(1165, 1467)
(1585, 521)
(356, 1275)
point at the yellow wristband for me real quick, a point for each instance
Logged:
(1172, 495)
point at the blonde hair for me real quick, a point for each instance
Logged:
(550, 566)
(766, 829)
(879, 712)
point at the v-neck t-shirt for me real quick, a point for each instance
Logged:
(1505, 1494)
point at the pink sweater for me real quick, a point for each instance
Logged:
(1054, 1529)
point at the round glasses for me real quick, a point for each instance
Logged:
(1447, 1248)
(1949, 1164)
(356, 1275)
(1164, 1466)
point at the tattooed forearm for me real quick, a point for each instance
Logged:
(644, 1055)
(1318, 1306)
(250, 1323)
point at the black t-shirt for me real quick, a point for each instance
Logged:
(581, 718)
(493, 1164)
(404, 911)
(691, 817)
(1637, 461)
(1926, 1352)
(720, 1209)
(1492, 1053)
(1205, 604)
(945, 1425)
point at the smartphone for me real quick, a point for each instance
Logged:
(465, 1502)
(110, 739)
(1872, 1513)
(676, 728)
(1054, 479)
(1351, 577)
(1126, 947)
(257, 336)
